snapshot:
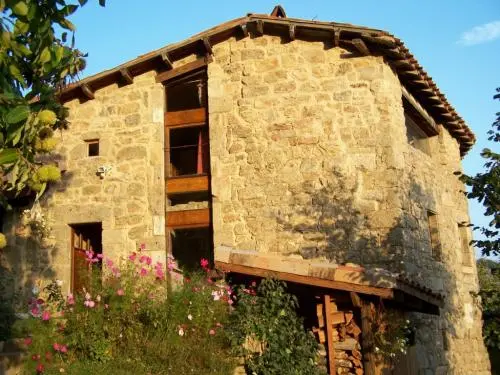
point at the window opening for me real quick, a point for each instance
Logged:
(93, 147)
(190, 245)
(436, 250)
(187, 93)
(189, 151)
(416, 136)
(85, 237)
(186, 198)
(466, 249)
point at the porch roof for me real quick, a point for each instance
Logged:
(350, 278)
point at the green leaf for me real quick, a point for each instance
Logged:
(45, 55)
(66, 24)
(8, 156)
(16, 73)
(18, 114)
(20, 9)
(59, 54)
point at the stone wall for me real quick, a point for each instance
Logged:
(129, 200)
(309, 157)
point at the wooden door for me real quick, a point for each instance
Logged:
(81, 268)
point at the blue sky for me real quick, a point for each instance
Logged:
(456, 41)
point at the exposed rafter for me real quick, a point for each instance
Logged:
(126, 76)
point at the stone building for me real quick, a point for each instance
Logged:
(275, 146)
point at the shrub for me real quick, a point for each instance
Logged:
(124, 323)
(266, 330)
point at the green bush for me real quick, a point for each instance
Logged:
(265, 329)
(125, 324)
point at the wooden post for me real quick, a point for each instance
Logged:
(367, 338)
(329, 334)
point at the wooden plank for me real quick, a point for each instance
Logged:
(329, 335)
(187, 184)
(291, 31)
(383, 41)
(244, 30)
(190, 117)
(306, 280)
(186, 68)
(188, 218)
(207, 45)
(259, 26)
(336, 36)
(166, 59)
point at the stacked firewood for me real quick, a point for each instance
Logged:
(346, 340)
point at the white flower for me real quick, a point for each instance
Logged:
(87, 296)
(181, 332)
(216, 295)
(35, 290)
(59, 283)
(98, 298)
(377, 349)
(190, 317)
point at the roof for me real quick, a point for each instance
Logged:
(350, 277)
(361, 40)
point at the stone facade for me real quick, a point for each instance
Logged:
(309, 158)
(128, 200)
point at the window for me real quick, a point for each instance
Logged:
(190, 245)
(465, 244)
(416, 136)
(189, 151)
(436, 250)
(93, 147)
(187, 93)
(84, 237)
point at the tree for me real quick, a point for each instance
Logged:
(489, 291)
(36, 61)
(485, 187)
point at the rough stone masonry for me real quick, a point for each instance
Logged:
(309, 158)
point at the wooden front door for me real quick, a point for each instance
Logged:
(81, 268)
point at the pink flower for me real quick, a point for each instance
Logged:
(120, 292)
(109, 262)
(132, 257)
(144, 271)
(28, 341)
(90, 304)
(45, 315)
(143, 246)
(56, 347)
(99, 256)
(211, 332)
(40, 368)
(64, 349)
(35, 311)
(160, 274)
(204, 262)
(71, 299)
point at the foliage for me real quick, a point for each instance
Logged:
(392, 332)
(266, 330)
(124, 323)
(489, 291)
(485, 187)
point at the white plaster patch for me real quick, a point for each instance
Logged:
(468, 314)
(158, 114)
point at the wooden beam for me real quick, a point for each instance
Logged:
(336, 36)
(244, 29)
(291, 31)
(361, 46)
(383, 41)
(259, 26)
(207, 45)
(385, 293)
(367, 338)
(167, 61)
(419, 109)
(190, 117)
(188, 218)
(126, 76)
(187, 184)
(186, 68)
(87, 91)
(355, 299)
(329, 334)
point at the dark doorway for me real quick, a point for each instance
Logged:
(190, 245)
(84, 237)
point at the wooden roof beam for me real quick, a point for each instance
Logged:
(361, 46)
(208, 46)
(244, 29)
(382, 41)
(259, 27)
(126, 76)
(336, 36)
(291, 31)
(87, 91)
(166, 60)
